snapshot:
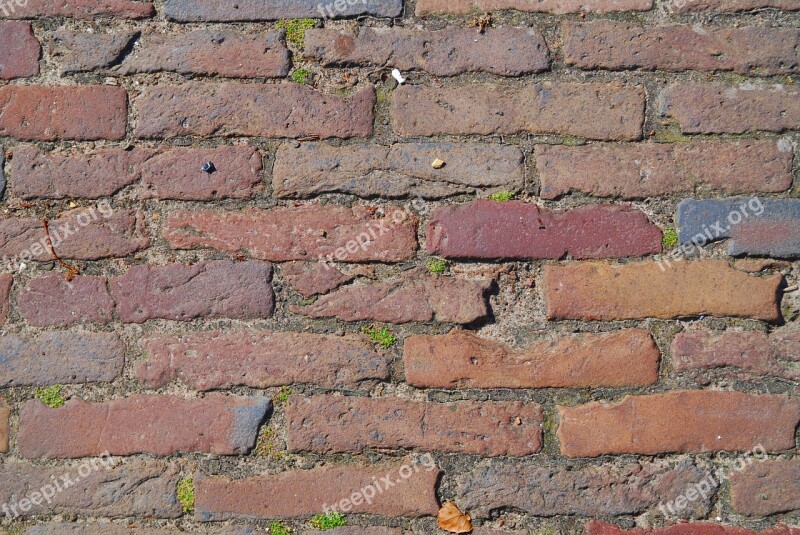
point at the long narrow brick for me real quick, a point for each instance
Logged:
(285, 110)
(489, 230)
(121, 529)
(462, 360)
(79, 9)
(157, 425)
(594, 527)
(215, 360)
(742, 355)
(400, 170)
(111, 490)
(712, 108)
(590, 110)
(689, 421)
(52, 300)
(590, 490)
(607, 292)
(303, 493)
(606, 44)
(448, 52)
(411, 297)
(310, 232)
(80, 113)
(219, 289)
(558, 7)
(60, 357)
(5, 414)
(638, 171)
(19, 51)
(328, 424)
(257, 10)
(767, 487)
(6, 281)
(731, 6)
(752, 226)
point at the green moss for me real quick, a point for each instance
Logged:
(50, 396)
(502, 196)
(670, 239)
(278, 528)
(282, 395)
(437, 265)
(268, 445)
(301, 75)
(296, 29)
(382, 337)
(185, 493)
(328, 521)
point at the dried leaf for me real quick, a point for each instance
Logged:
(453, 520)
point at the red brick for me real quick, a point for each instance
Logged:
(330, 424)
(766, 487)
(462, 360)
(607, 292)
(128, 528)
(258, 10)
(590, 110)
(310, 232)
(79, 9)
(709, 108)
(413, 296)
(19, 51)
(220, 289)
(6, 281)
(689, 421)
(5, 414)
(157, 425)
(687, 6)
(637, 171)
(448, 52)
(52, 300)
(314, 278)
(558, 7)
(84, 113)
(303, 493)
(594, 527)
(607, 44)
(285, 110)
(78, 52)
(490, 230)
(212, 360)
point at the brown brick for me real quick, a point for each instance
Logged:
(6, 281)
(19, 51)
(400, 170)
(260, 359)
(220, 289)
(5, 414)
(637, 171)
(590, 110)
(303, 493)
(413, 296)
(157, 425)
(258, 10)
(448, 52)
(310, 232)
(128, 528)
(84, 113)
(462, 360)
(285, 110)
(314, 278)
(766, 487)
(687, 6)
(330, 424)
(709, 108)
(607, 44)
(558, 7)
(595, 527)
(52, 300)
(135, 488)
(607, 292)
(689, 421)
(481, 230)
(79, 9)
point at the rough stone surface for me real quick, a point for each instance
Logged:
(731, 6)
(314, 278)
(117, 529)
(52, 300)
(767, 487)
(80, 9)
(79, 52)
(19, 51)
(5, 414)
(594, 527)
(256, 10)
(558, 7)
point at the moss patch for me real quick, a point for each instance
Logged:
(296, 29)
(50, 396)
(328, 521)
(383, 337)
(301, 76)
(278, 528)
(670, 238)
(437, 265)
(502, 196)
(185, 493)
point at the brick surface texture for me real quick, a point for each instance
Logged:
(265, 260)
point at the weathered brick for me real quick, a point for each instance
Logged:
(52, 300)
(462, 360)
(77, 52)
(413, 296)
(558, 7)
(329, 424)
(593, 527)
(6, 281)
(606, 292)
(284, 110)
(256, 10)
(314, 278)
(742, 355)
(82, 234)
(689, 421)
(401, 170)
(157, 425)
(126, 529)
(448, 52)
(597, 490)
(767, 487)
(302, 493)
(607, 44)
(19, 51)
(5, 414)
(79, 9)
(711, 108)
(590, 110)
(753, 226)
(357, 234)
(260, 359)
(221, 289)
(60, 357)
(688, 6)
(81, 113)
(163, 174)
(637, 171)
(492, 230)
